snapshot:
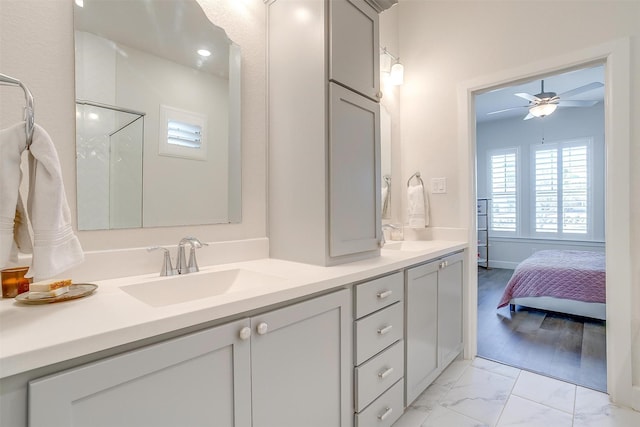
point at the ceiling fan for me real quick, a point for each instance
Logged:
(545, 103)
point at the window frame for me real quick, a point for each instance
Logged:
(559, 145)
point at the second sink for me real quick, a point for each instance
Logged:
(177, 289)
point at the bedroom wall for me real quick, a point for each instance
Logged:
(446, 43)
(564, 124)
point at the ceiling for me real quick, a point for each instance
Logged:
(172, 29)
(502, 98)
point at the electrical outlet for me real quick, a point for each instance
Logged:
(438, 185)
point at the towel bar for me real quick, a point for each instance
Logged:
(416, 176)
(28, 109)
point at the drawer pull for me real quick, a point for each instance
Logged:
(385, 330)
(385, 373)
(384, 294)
(385, 414)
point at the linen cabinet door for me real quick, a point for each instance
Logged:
(354, 59)
(450, 281)
(354, 173)
(202, 379)
(421, 300)
(301, 364)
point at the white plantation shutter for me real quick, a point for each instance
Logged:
(503, 186)
(561, 189)
(575, 185)
(546, 191)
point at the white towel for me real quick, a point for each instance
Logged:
(55, 246)
(418, 209)
(14, 230)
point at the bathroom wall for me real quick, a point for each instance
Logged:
(37, 46)
(446, 43)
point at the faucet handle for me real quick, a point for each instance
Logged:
(167, 268)
(193, 263)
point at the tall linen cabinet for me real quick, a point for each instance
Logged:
(324, 130)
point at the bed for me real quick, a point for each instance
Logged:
(571, 282)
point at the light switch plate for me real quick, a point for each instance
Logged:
(438, 185)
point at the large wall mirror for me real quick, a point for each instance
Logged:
(157, 116)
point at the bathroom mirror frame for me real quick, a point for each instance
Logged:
(175, 189)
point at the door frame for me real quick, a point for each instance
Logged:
(615, 55)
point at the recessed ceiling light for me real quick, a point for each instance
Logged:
(80, 3)
(204, 52)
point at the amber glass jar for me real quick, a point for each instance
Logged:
(14, 282)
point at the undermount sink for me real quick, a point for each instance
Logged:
(189, 287)
(409, 245)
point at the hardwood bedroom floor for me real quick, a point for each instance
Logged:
(568, 348)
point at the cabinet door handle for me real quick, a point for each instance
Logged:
(385, 373)
(385, 414)
(262, 328)
(385, 330)
(245, 333)
(385, 294)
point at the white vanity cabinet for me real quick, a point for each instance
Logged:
(195, 380)
(433, 321)
(283, 368)
(354, 59)
(324, 131)
(379, 351)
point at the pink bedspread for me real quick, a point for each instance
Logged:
(576, 275)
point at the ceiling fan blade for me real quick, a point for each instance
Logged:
(528, 116)
(581, 89)
(507, 109)
(527, 96)
(577, 103)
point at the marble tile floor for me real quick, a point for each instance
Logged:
(483, 393)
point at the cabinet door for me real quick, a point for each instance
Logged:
(450, 279)
(301, 364)
(354, 59)
(354, 173)
(202, 379)
(421, 300)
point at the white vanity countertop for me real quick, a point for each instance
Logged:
(33, 336)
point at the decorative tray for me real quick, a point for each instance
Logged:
(76, 290)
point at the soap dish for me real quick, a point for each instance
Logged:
(76, 290)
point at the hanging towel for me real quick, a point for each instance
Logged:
(418, 209)
(55, 247)
(14, 229)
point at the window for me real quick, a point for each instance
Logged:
(503, 189)
(561, 189)
(182, 134)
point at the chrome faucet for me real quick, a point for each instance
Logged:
(385, 227)
(182, 267)
(181, 263)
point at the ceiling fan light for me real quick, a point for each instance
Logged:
(542, 110)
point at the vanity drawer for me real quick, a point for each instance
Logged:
(385, 410)
(378, 331)
(378, 293)
(375, 376)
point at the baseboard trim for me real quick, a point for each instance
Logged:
(503, 264)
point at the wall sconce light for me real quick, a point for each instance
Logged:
(396, 71)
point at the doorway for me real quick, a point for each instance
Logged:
(540, 185)
(615, 55)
